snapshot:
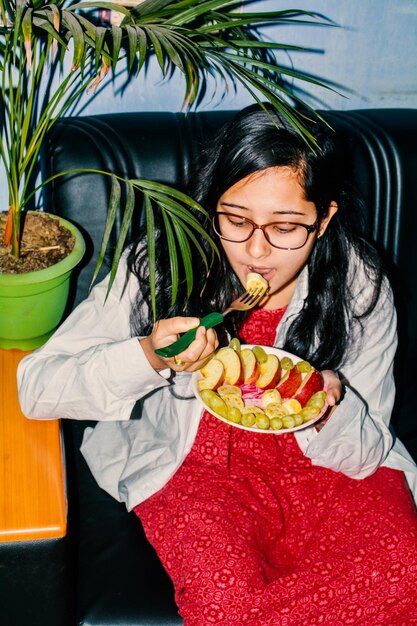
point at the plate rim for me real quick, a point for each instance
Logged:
(280, 353)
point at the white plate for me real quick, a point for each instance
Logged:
(269, 350)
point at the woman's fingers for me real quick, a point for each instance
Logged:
(334, 388)
(203, 346)
(167, 331)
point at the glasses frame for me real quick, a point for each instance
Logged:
(310, 228)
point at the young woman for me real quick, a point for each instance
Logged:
(315, 527)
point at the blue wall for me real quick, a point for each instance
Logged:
(372, 54)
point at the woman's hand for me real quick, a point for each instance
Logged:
(334, 393)
(167, 331)
(333, 386)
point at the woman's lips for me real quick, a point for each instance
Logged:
(266, 272)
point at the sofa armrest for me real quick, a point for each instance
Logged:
(32, 473)
(35, 563)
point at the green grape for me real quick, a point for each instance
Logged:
(288, 421)
(309, 412)
(248, 419)
(207, 395)
(286, 363)
(235, 344)
(262, 421)
(304, 367)
(318, 399)
(214, 401)
(260, 354)
(298, 419)
(234, 415)
(276, 423)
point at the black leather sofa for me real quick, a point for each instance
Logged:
(114, 575)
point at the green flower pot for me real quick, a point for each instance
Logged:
(32, 304)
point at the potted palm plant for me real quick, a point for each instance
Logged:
(198, 38)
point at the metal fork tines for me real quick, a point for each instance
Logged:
(246, 301)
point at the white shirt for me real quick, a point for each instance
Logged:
(93, 369)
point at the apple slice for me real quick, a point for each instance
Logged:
(269, 372)
(213, 375)
(250, 366)
(290, 383)
(233, 369)
(312, 383)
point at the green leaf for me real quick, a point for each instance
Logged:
(186, 255)
(141, 45)
(20, 9)
(157, 47)
(124, 230)
(112, 211)
(111, 6)
(150, 231)
(150, 6)
(73, 25)
(133, 40)
(173, 258)
(100, 34)
(117, 34)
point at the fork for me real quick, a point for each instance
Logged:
(246, 301)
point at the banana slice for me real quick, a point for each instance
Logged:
(255, 281)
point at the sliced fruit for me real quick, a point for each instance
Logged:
(318, 400)
(309, 412)
(213, 375)
(255, 281)
(234, 415)
(250, 366)
(214, 401)
(262, 421)
(289, 383)
(288, 421)
(276, 423)
(248, 419)
(298, 419)
(256, 410)
(269, 372)
(234, 400)
(291, 405)
(275, 410)
(271, 396)
(229, 390)
(312, 383)
(233, 370)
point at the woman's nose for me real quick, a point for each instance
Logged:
(258, 246)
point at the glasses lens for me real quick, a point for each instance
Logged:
(279, 234)
(232, 227)
(286, 235)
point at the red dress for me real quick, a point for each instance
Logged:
(253, 535)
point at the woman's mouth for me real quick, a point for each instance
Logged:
(266, 272)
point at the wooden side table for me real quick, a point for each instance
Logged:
(33, 502)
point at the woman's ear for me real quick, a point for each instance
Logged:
(326, 220)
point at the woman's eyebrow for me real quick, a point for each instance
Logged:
(244, 208)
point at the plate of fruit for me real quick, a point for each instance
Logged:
(261, 389)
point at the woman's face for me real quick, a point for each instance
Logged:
(271, 195)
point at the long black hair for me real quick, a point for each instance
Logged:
(251, 142)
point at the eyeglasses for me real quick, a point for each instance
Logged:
(283, 235)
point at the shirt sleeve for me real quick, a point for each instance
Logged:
(91, 368)
(357, 438)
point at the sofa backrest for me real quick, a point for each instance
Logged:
(381, 154)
